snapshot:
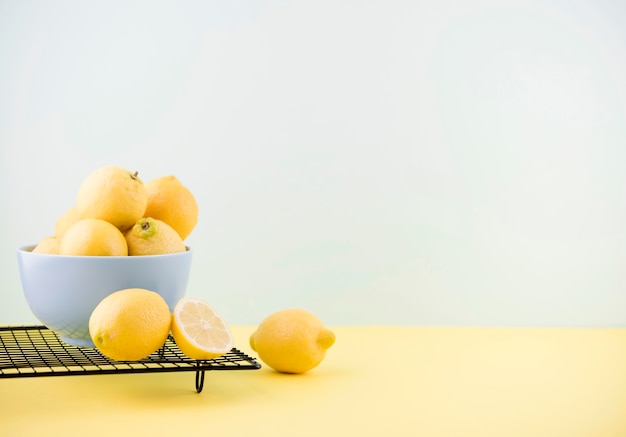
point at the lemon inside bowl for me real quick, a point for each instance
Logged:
(62, 291)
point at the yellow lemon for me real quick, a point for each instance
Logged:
(67, 219)
(93, 237)
(292, 341)
(49, 245)
(199, 331)
(170, 201)
(113, 194)
(153, 237)
(130, 324)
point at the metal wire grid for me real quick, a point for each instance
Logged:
(28, 351)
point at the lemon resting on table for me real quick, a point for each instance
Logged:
(292, 341)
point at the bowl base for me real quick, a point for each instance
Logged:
(81, 342)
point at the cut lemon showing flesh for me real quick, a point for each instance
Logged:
(199, 331)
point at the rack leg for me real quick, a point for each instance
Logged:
(199, 380)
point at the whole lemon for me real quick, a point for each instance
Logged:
(292, 341)
(153, 237)
(67, 219)
(93, 237)
(113, 194)
(170, 201)
(48, 245)
(130, 324)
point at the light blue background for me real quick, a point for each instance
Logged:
(375, 162)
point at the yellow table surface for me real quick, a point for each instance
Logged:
(404, 381)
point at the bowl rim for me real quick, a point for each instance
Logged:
(29, 249)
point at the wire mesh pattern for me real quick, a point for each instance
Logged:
(28, 351)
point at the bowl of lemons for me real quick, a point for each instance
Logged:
(121, 233)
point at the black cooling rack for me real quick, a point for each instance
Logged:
(29, 351)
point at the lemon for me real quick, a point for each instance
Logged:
(93, 237)
(49, 245)
(199, 331)
(67, 219)
(113, 194)
(170, 201)
(292, 341)
(153, 237)
(130, 324)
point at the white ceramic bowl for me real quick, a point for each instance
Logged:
(62, 291)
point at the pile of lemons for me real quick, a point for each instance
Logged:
(116, 214)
